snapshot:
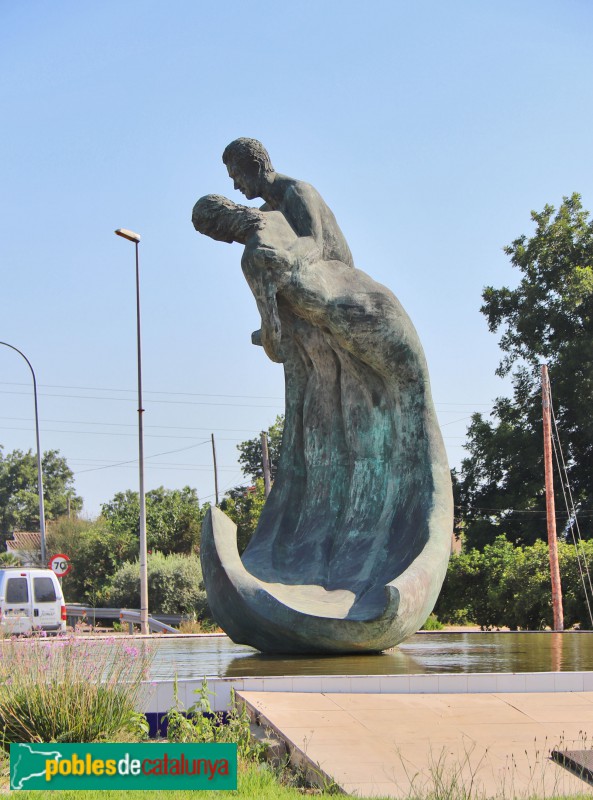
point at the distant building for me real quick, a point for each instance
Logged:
(26, 546)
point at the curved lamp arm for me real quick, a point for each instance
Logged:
(39, 470)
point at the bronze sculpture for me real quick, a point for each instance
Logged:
(353, 542)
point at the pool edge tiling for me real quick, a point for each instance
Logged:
(162, 694)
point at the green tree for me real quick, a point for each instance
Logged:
(244, 505)
(548, 318)
(95, 550)
(19, 495)
(505, 585)
(250, 451)
(98, 548)
(173, 518)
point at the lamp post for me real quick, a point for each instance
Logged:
(39, 471)
(135, 237)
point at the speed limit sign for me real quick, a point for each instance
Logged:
(60, 564)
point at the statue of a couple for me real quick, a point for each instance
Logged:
(353, 542)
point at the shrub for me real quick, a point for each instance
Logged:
(95, 552)
(505, 585)
(70, 690)
(432, 624)
(194, 625)
(201, 724)
(175, 585)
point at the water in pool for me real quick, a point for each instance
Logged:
(194, 657)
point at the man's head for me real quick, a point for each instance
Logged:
(248, 164)
(221, 219)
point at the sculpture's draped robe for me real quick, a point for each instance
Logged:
(363, 477)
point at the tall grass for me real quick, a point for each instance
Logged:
(70, 690)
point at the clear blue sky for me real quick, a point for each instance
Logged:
(431, 128)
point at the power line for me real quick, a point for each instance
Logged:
(163, 464)
(202, 394)
(111, 433)
(542, 512)
(129, 425)
(154, 467)
(134, 400)
(146, 391)
(135, 460)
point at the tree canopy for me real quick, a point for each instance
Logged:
(547, 318)
(244, 504)
(173, 519)
(98, 549)
(250, 452)
(503, 585)
(19, 495)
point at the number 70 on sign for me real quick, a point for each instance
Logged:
(60, 564)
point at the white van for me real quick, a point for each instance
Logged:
(31, 600)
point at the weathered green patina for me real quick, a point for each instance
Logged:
(352, 546)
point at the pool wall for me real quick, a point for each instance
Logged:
(161, 697)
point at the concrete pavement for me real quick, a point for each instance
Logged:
(404, 745)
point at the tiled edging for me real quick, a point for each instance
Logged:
(161, 695)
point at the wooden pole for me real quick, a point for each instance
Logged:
(550, 505)
(266, 463)
(215, 470)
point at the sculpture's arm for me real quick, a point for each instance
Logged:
(301, 208)
(277, 264)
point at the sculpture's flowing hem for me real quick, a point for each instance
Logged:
(250, 613)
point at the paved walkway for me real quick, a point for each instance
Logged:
(397, 745)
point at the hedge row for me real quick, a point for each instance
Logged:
(508, 586)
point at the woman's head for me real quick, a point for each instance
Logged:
(221, 219)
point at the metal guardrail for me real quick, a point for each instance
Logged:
(134, 616)
(157, 623)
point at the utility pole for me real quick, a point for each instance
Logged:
(265, 462)
(550, 505)
(215, 470)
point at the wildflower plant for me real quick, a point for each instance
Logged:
(71, 690)
(201, 724)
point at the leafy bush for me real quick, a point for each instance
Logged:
(97, 549)
(95, 553)
(175, 585)
(201, 724)
(508, 586)
(432, 624)
(70, 690)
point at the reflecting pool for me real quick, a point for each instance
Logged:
(196, 656)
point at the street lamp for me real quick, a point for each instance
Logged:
(39, 472)
(135, 237)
